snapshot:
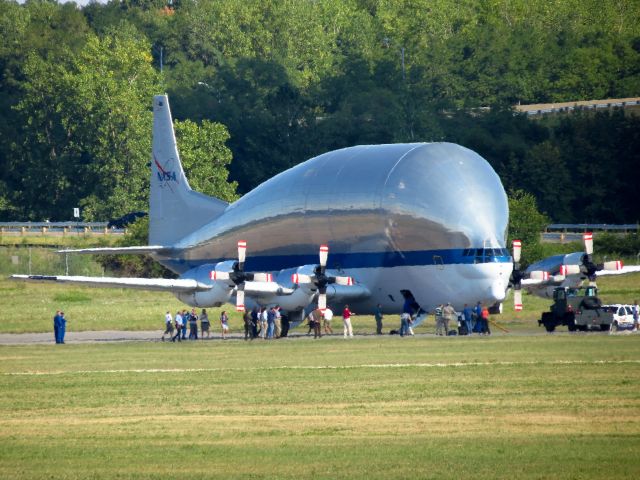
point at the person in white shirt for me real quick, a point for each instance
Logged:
(179, 324)
(263, 323)
(224, 323)
(168, 325)
(328, 316)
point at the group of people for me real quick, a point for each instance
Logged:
(182, 320)
(319, 320)
(268, 323)
(265, 323)
(59, 326)
(258, 323)
(472, 320)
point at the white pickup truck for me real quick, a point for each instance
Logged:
(622, 316)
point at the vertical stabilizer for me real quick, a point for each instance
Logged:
(175, 210)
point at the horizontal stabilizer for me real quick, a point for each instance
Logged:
(144, 250)
(155, 284)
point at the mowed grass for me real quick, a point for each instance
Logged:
(29, 307)
(555, 406)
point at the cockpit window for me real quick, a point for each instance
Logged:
(485, 255)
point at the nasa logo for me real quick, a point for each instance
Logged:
(165, 176)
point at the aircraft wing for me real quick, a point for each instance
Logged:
(335, 292)
(534, 281)
(156, 284)
(143, 250)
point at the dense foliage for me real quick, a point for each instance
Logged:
(294, 78)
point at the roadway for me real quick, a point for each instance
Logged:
(111, 336)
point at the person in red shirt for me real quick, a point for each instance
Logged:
(346, 321)
(485, 321)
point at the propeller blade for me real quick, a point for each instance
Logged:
(517, 250)
(242, 252)
(214, 275)
(517, 300)
(299, 278)
(324, 253)
(344, 280)
(613, 265)
(322, 301)
(569, 270)
(539, 275)
(588, 243)
(240, 299)
(262, 277)
(559, 278)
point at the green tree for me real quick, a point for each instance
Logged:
(525, 224)
(205, 158)
(86, 140)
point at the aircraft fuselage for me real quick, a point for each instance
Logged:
(428, 218)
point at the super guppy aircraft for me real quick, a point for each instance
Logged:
(366, 225)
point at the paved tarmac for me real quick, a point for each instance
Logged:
(106, 336)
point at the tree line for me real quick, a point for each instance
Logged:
(271, 83)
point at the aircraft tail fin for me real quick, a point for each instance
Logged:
(175, 210)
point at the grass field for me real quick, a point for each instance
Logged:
(552, 406)
(30, 307)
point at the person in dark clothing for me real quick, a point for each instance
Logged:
(62, 329)
(255, 321)
(285, 325)
(193, 325)
(56, 326)
(247, 325)
(315, 321)
(379, 316)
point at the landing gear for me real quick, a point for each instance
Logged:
(549, 327)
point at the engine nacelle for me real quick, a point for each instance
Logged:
(220, 292)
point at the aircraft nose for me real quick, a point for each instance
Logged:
(498, 291)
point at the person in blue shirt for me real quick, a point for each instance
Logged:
(185, 320)
(56, 326)
(407, 315)
(62, 327)
(467, 314)
(477, 316)
(271, 316)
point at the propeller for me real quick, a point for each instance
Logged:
(238, 276)
(320, 279)
(588, 267)
(518, 275)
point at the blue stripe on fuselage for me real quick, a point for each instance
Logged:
(271, 263)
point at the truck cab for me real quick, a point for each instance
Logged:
(578, 309)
